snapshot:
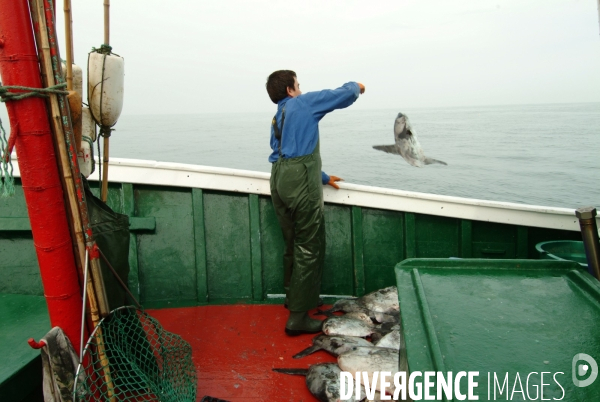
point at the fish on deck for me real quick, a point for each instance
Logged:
(392, 340)
(382, 301)
(371, 360)
(381, 306)
(350, 326)
(323, 381)
(334, 345)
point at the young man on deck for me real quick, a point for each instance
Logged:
(297, 188)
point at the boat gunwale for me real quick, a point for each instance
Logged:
(171, 174)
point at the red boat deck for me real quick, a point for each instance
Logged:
(236, 346)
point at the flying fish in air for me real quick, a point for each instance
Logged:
(407, 145)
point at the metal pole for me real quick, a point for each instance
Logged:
(44, 24)
(85, 277)
(104, 191)
(599, 11)
(39, 172)
(589, 233)
(69, 43)
(107, 22)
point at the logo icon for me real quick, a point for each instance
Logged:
(591, 369)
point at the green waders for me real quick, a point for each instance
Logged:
(297, 194)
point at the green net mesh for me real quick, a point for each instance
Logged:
(130, 357)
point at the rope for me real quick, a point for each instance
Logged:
(7, 180)
(6, 96)
(104, 49)
(105, 131)
(118, 278)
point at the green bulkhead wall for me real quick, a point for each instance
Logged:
(381, 236)
(19, 269)
(193, 246)
(228, 257)
(166, 262)
(338, 272)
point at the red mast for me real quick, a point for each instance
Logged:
(39, 172)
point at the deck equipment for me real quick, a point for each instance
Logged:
(146, 363)
(106, 72)
(589, 233)
(522, 320)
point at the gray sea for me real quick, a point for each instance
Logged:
(531, 154)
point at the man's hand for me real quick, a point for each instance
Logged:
(332, 180)
(362, 88)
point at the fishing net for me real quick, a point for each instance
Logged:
(130, 357)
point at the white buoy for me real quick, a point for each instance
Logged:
(77, 77)
(85, 158)
(106, 75)
(88, 127)
(85, 154)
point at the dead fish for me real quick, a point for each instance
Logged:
(323, 381)
(383, 330)
(391, 340)
(383, 317)
(371, 359)
(344, 305)
(381, 306)
(335, 345)
(407, 144)
(349, 326)
(382, 301)
(342, 325)
(350, 308)
(359, 315)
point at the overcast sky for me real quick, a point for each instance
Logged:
(215, 56)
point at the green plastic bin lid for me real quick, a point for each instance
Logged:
(509, 320)
(563, 250)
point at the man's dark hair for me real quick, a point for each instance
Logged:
(278, 83)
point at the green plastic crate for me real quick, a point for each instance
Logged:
(502, 317)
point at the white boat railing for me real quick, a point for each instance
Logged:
(147, 172)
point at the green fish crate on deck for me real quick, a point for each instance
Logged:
(505, 319)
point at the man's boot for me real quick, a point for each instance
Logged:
(319, 303)
(300, 323)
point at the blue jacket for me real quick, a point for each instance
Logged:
(302, 115)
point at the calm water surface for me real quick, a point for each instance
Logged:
(533, 154)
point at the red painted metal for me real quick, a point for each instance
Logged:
(39, 172)
(36, 345)
(235, 348)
